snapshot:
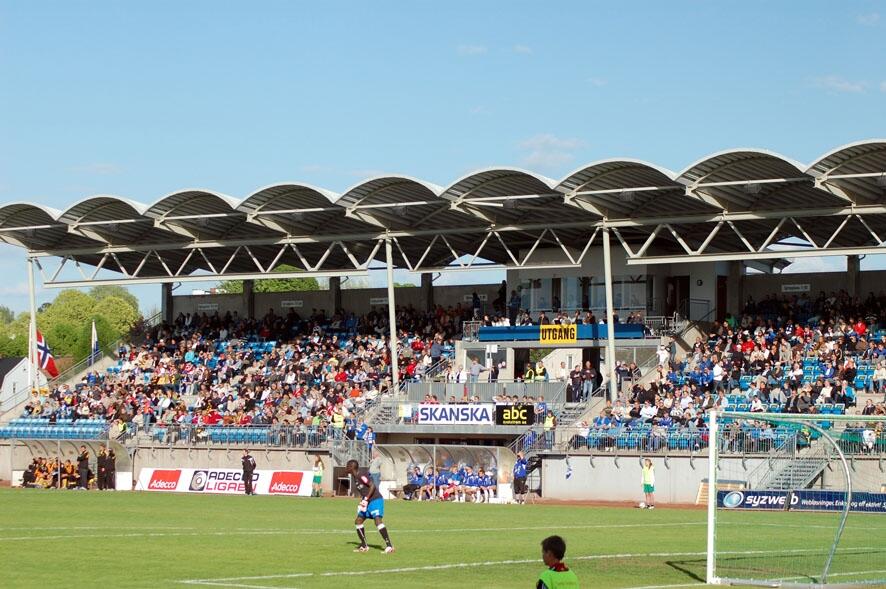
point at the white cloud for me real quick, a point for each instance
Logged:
(597, 82)
(883, 86)
(523, 49)
(16, 289)
(839, 84)
(868, 20)
(546, 150)
(468, 50)
(98, 169)
(478, 110)
(823, 264)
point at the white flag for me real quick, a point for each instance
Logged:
(93, 349)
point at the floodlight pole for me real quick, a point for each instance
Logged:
(33, 370)
(610, 317)
(392, 318)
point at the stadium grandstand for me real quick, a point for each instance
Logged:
(584, 349)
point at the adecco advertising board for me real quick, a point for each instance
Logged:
(802, 500)
(224, 480)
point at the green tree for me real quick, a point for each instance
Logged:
(70, 305)
(6, 314)
(403, 285)
(66, 322)
(106, 290)
(14, 338)
(273, 284)
(117, 312)
(64, 338)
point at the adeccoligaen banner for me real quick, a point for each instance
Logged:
(224, 480)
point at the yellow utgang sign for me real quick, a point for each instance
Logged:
(558, 334)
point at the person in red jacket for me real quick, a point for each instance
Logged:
(860, 327)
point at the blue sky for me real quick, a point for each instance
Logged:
(141, 99)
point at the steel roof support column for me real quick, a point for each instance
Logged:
(167, 303)
(33, 368)
(735, 288)
(853, 275)
(249, 297)
(610, 318)
(335, 292)
(427, 290)
(392, 318)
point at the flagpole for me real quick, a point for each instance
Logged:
(33, 370)
(93, 346)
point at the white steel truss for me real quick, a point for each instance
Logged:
(770, 248)
(240, 262)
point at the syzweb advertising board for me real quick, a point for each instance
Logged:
(801, 500)
(224, 480)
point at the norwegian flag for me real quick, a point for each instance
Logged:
(44, 357)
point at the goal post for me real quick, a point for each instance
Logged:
(806, 505)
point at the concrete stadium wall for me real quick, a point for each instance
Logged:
(16, 455)
(357, 300)
(676, 481)
(760, 285)
(15, 458)
(608, 479)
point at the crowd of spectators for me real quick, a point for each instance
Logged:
(787, 354)
(313, 374)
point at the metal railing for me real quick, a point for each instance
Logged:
(627, 441)
(252, 436)
(552, 391)
(696, 309)
(435, 370)
(67, 430)
(470, 330)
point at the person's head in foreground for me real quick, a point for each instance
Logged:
(553, 549)
(557, 575)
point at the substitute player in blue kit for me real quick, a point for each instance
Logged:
(372, 506)
(471, 485)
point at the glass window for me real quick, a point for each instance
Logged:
(629, 293)
(570, 293)
(535, 294)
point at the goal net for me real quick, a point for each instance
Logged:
(796, 500)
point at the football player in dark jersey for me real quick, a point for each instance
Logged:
(372, 506)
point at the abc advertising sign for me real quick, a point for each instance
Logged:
(514, 414)
(557, 334)
(225, 481)
(470, 414)
(803, 500)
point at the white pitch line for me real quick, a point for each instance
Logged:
(668, 586)
(61, 528)
(232, 581)
(284, 531)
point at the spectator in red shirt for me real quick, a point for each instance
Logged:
(860, 327)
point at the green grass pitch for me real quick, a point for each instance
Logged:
(56, 539)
